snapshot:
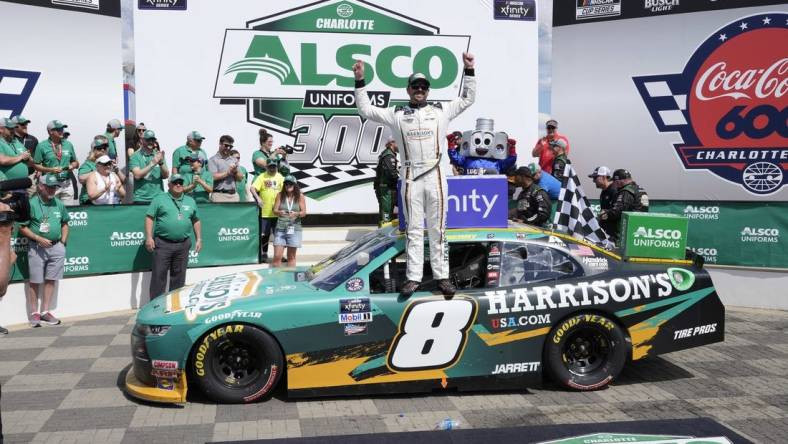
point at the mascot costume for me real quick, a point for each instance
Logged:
(482, 151)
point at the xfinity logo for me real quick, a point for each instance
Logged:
(760, 235)
(702, 213)
(473, 202)
(660, 5)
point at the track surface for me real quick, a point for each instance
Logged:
(62, 384)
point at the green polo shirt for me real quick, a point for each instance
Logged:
(53, 212)
(258, 170)
(164, 210)
(13, 149)
(182, 152)
(150, 186)
(112, 152)
(199, 194)
(87, 167)
(45, 155)
(240, 185)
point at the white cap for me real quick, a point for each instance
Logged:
(601, 171)
(115, 124)
(103, 159)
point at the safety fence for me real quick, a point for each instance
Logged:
(107, 239)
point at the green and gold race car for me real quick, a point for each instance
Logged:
(529, 303)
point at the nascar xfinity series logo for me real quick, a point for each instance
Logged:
(293, 71)
(729, 103)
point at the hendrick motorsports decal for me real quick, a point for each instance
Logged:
(729, 103)
(293, 70)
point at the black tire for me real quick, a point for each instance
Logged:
(237, 363)
(585, 352)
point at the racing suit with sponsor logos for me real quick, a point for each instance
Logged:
(420, 132)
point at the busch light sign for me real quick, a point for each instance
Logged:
(473, 202)
(729, 103)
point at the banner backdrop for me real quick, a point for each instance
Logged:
(235, 66)
(690, 96)
(69, 66)
(106, 239)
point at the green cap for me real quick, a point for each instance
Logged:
(149, 134)
(290, 178)
(195, 135)
(55, 124)
(50, 180)
(176, 177)
(21, 120)
(99, 140)
(9, 123)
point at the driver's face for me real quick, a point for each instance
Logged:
(418, 92)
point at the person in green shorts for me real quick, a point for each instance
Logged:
(241, 186)
(180, 157)
(98, 148)
(56, 156)
(198, 183)
(169, 221)
(14, 157)
(148, 167)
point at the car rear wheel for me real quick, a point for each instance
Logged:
(237, 363)
(585, 352)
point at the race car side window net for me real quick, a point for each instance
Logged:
(529, 263)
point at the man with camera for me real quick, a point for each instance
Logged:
(181, 157)
(48, 231)
(149, 168)
(224, 168)
(56, 156)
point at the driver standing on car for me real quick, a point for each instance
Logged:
(419, 128)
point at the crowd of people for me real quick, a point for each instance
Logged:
(59, 180)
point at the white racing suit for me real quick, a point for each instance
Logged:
(420, 134)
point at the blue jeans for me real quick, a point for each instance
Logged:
(267, 225)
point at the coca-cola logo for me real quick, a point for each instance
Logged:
(729, 104)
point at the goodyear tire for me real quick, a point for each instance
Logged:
(585, 352)
(237, 363)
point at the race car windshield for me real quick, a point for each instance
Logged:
(338, 268)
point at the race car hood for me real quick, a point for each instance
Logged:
(244, 290)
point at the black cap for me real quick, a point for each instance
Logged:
(524, 171)
(621, 174)
(418, 77)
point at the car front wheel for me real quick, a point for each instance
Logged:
(585, 352)
(237, 363)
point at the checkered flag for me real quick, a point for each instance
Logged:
(314, 176)
(573, 214)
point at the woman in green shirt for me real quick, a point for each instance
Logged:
(199, 183)
(289, 207)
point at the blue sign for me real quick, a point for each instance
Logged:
(474, 202)
(16, 90)
(166, 5)
(515, 10)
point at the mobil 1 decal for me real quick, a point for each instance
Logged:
(293, 71)
(729, 103)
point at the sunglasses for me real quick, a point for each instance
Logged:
(58, 130)
(177, 182)
(420, 87)
(227, 145)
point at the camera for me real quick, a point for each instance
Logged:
(287, 149)
(13, 193)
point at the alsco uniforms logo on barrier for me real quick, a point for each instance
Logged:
(729, 104)
(293, 71)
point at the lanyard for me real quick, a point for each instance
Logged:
(176, 205)
(289, 202)
(59, 151)
(44, 213)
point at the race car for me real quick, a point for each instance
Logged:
(530, 303)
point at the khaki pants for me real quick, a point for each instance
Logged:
(224, 197)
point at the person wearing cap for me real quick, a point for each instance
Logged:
(14, 157)
(629, 197)
(266, 187)
(560, 161)
(289, 208)
(136, 140)
(149, 167)
(603, 180)
(241, 186)
(181, 156)
(48, 232)
(225, 172)
(170, 219)
(30, 142)
(114, 127)
(419, 128)
(56, 156)
(543, 151)
(98, 148)
(385, 182)
(533, 204)
(104, 187)
(545, 180)
(198, 182)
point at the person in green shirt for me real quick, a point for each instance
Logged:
(99, 147)
(114, 127)
(169, 221)
(266, 187)
(260, 157)
(241, 186)
(148, 167)
(181, 155)
(56, 156)
(198, 183)
(48, 231)
(14, 157)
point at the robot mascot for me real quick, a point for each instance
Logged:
(482, 151)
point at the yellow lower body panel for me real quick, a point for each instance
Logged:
(168, 392)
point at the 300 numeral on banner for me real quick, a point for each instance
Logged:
(432, 334)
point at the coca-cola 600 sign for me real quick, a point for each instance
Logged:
(729, 103)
